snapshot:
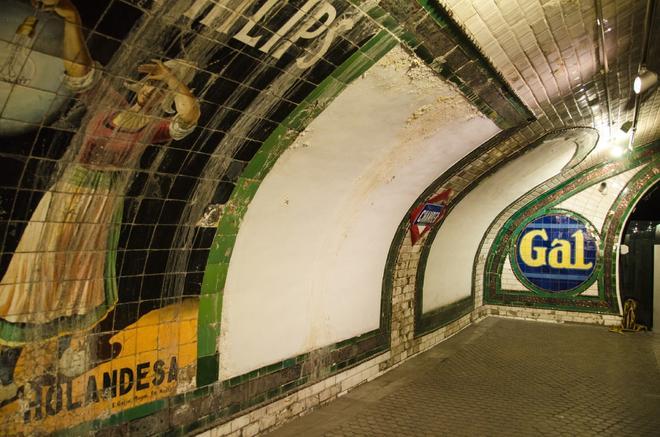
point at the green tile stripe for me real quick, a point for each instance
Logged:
(221, 250)
(442, 316)
(90, 428)
(289, 362)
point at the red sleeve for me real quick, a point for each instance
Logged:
(161, 131)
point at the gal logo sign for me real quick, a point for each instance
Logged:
(556, 253)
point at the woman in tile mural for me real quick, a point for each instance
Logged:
(61, 279)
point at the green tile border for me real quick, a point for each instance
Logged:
(130, 414)
(620, 213)
(444, 315)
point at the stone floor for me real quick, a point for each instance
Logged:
(507, 377)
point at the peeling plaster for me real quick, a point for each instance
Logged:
(320, 226)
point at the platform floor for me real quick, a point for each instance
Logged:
(506, 377)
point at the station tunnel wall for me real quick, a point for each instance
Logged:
(240, 237)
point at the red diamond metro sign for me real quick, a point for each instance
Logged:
(427, 214)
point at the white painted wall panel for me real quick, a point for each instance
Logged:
(308, 264)
(448, 274)
(509, 280)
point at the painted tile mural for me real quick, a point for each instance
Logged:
(124, 127)
(556, 253)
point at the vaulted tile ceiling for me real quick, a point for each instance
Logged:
(550, 52)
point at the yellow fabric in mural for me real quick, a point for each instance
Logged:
(157, 360)
(58, 269)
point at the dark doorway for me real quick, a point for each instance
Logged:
(641, 233)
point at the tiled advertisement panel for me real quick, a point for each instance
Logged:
(125, 126)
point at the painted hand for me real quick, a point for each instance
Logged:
(157, 71)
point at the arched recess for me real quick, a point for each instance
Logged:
(319, 227)
(444, 286)
(496, 101)
(217, 266)
(645, 181)
(572, 193)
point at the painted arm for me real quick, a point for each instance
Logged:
(77, 61)
(185, 102)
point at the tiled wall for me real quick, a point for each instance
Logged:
(109, 210)
(597, 302)
(592, 203)
(339, 194)
(409, 260)
(127, 209)
(448, 270)
(128, 214)
(580, 198)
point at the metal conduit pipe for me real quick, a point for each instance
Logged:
(603, 60)
(646, 36)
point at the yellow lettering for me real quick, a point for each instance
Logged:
(560, 255)
(533, 256)
(579, 252)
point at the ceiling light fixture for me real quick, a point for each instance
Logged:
(616, 151)
(645, 79)
(624, 133)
